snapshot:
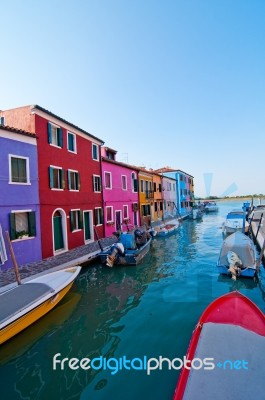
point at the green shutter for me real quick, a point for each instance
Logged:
(49, 133)
(63, 178)
(32, 223)
(78, 180)
(72, 223)
(51, 177)
(60, 137)
(80, 219)
(12, 221)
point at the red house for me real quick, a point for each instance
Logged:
(69, 163)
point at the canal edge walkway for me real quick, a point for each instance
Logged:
(70, 258)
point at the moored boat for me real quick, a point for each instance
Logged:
(237, 256)
(228, 344)
(130, 249)
(167, 228)
(211, 206)
(26, 303)
(235, 221)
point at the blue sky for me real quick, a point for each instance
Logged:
(177, 83)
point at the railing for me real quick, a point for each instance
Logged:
(149, 194)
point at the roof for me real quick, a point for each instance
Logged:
(19, 131)
(169, 169)
(66, 122)
(120, 163)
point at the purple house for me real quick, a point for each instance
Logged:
(19, 197)
(120, 193)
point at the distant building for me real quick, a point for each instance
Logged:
(169, 197)
(120, 193)
(184, 189)
(69, 163)
(146, 196)
(19, 195)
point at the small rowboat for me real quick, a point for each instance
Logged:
(26, 303)
(231, 333)
(167, 229)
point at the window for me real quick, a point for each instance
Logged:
(174, 187)
(22, 224)
(71, 142)
(57, 180)
(156, 208)
(76, 220)
(97, 183)
(109, 214)
(98, 216)
(2, 121)
(18, 169)
(124, 182)
(142, 186)
(134, 182)
(95, 152)
(154, 186)
(73, 180)
(160, 187)
(146, 210)
(108, 180)
(55, 135)
(125, 212)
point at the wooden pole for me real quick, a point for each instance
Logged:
(13, 259)
(261, 255)
(99, 242)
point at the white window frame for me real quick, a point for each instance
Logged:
(74, 136)
(10, 156)
(98, 208)
(75, 172)
(55, 167)
(97, 146)
(76, 219)
(126, 185)
(125, 207)
(108, 188)
(57, 140)
(100, 183)
(111, 208)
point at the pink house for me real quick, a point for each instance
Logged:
(120, 193)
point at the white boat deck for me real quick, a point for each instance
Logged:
(23, 296)
(228, 342)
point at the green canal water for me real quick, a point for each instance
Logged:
(133, 312)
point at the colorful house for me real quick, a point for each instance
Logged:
(120, 193)
(158, 197)
(19, 197)
(69, 163)
(169, 197)
(184, 189)
(146, 196)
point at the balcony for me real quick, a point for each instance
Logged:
(149, 194)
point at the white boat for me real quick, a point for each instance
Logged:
(237, 256)
(196, 213)
(167, 228)
(26, 303)
(211, 206)
(234, 221)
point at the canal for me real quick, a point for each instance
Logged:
(136, 313)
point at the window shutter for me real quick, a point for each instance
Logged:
(93, 183)
(135, 185)
(51, 177)
(80, 219)
(49, 133)
(60, 137)
(72, 221)
(32, 223)
(78, 181)
(69, 179)
(101, 216)
(63, 178)
(12, 221)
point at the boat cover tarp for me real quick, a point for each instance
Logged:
(241, 245)
(228, 342)
(21, 297)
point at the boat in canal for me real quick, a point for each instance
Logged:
(226, 352)
(167, 229)
(235, 221)
(237, 256)
(210, 206)
(26, 303)
(130, 249)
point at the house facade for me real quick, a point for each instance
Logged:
(19, 197)
(169, 197)
(70, 189)
(120, 193)
(146, 197)
(158, 197)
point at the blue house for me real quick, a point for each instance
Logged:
(19, 197)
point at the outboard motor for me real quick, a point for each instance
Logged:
(115, 250)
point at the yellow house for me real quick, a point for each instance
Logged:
(158, 197)
(146, 196)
